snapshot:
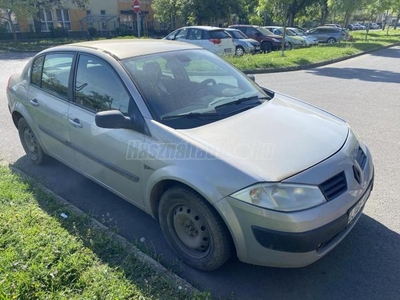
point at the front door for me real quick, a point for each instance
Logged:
(105, 155)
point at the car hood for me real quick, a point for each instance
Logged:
(275, 140)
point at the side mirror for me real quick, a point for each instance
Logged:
(114, 119)
(251, 76)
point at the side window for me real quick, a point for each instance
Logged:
(98, 86)
(195, 34)
(56, 71)
(252, 31)
(182, 34)
(37, 68)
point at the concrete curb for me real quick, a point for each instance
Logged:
(315, 65)
(154, 265)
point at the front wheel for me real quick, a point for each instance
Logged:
(331, 40)
(193, 229)
(30, 143)
(239, 51)
(266, 47)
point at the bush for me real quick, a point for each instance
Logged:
(92, 32)
(59, 32)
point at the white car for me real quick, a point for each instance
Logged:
(213, 39)
(310, 40)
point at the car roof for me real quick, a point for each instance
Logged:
(204, 27)
(124, 48)
(243, 25)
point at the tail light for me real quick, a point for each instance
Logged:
(215, 41)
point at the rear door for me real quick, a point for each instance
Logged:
(108, 156)
(48, 103)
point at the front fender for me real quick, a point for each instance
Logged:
(202, 185)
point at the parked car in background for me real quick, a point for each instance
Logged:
(333, 25)
(352, 27)
(226, 166)
(310, 39)
(374, 26)
(326, 34)
(268, 41)
(213, 39)
(243, 43)
(293, 40)
(360, 26)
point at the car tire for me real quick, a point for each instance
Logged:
(266, 47)
(239, 51)
(30, 143)
(193, 229)
(331, 40)
(290, 46)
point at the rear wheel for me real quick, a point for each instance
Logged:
(193, 229)
(290, 46)
(266, 47)
(30, 143)
(239, 51)
(331, 40)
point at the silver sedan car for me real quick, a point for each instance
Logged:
(226, 166)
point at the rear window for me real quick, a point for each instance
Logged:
(219, 34)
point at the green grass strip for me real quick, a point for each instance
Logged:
(46, 256)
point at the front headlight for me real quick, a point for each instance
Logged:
(281, 197)
(249, 44)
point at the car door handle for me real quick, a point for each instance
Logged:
(34, 102)
(76, 123)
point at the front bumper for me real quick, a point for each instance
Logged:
(297, 239)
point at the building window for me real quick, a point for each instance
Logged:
(89, 17)
(103, 24)
(63, 18)
(47, 20)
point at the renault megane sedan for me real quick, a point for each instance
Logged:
(227, 167)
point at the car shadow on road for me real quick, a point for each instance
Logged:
(393, 52)
(357, 74)
(366, 265)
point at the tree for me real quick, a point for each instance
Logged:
(169, 11)
(15, 8)
(281, 11)
(31, 8)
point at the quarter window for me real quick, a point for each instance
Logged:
(37, 68)
(55, 75)
(98, 87)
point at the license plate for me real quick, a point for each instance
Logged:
(228, 50)
(359, 205)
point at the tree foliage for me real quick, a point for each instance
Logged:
(31, 8)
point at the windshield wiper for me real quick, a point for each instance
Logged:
(241, 100)
(191, 115)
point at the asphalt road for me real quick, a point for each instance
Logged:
(366, 265)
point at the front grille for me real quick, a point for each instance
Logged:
(361, 158)
(334, 186)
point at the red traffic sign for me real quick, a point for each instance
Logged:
(136, 7)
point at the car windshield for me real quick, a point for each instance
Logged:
(237, 34)
(190, 88)
(265, 31)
